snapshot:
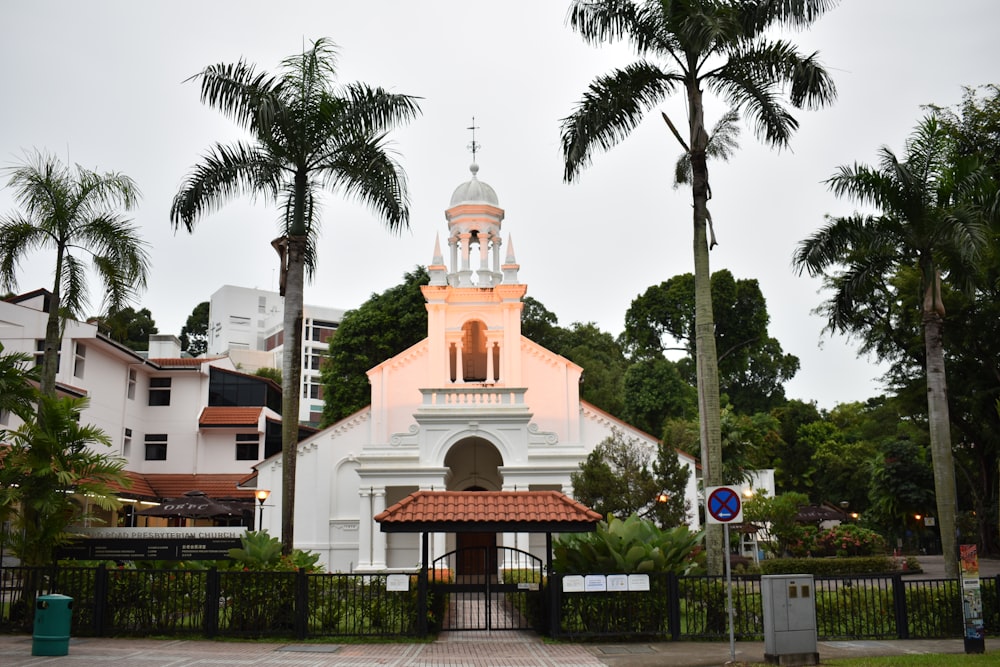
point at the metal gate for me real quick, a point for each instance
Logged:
(488, 588)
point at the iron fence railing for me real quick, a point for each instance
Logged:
(230, 603)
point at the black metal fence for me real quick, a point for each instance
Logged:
(847, 607)
(211, 603)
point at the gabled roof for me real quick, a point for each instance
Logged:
(223, 416)
(181, 362)
(488, 511)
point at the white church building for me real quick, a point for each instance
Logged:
(475, 406)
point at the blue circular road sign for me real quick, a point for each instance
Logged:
(724, 504)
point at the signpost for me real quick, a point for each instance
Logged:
(972, 600)
(724, 505)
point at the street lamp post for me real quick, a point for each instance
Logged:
(262, 495)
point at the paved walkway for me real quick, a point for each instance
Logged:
(468, 649)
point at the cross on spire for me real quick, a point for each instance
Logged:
(473, 146)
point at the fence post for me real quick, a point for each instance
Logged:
(899, 607)
(555, 604)
(100, 599)
(213, 591)
(674, 606)
(301, 603)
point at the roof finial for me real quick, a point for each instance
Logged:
(473, 146)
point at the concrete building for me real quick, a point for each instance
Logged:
(246, 325)
(475, 406)
(179, 423)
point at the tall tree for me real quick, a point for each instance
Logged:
(74, 212)
(52, 463)
(194, 333)
(927, 225)
(308, 135)
(726, 47)
(752, 366)
(621, 477)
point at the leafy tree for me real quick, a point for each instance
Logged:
(777, 518)
(194, 333)
(382, 327)
(790, 456)
(73, 212)
(752, 366)
(724, 47)
(307, 135)
(540, 324)
(928, 226)
(129, 327)
(273, 374)
(901, 484)
(17, 395)
(50, 465)
(654, 393)
(619, 478)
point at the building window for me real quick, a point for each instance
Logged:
(127, 443)
(247, 446)
(315, 362)
(239, 321)
(262, 304)
(39, 352)
(159, 391)
(79, 360)
(156, 446)
(4, 417)
(131, 383)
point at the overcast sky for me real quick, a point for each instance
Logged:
(102, 84)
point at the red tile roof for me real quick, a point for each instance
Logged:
(160, 486)
(488, 510)
(229, 416)
(181, 362)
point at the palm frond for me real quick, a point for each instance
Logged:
(611, 108)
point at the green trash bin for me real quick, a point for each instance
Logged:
(51, 630)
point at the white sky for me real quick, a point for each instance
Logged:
(101, 83)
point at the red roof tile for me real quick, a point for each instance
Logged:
(221, 486)
(487, 508)
(229, 416)
(181, 362)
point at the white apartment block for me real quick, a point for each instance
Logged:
(246, 324)
(180, 423)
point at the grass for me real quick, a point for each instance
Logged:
(922, 660)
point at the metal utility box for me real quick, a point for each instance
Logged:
(50, 634)
(789, 602)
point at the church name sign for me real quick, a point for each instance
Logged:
(121, 544)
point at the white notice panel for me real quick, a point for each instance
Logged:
(397, 582)
(596, 583)
(617, 582)
(573, 584)
(638, 582)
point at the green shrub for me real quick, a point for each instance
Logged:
(848, 539)
(632, 546)
(830, 566)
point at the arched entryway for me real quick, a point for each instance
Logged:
(474, 465)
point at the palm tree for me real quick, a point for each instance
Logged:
(72, 212)
(927, 222)
(52, 463)
(691, 45)
(307, 136)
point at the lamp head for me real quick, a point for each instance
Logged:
(262, 495)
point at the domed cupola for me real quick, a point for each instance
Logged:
(474, 218)
(474, 191)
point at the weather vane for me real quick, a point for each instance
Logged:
(473, 146)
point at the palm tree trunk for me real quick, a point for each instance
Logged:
(53, 339)
(940, 434)
(705, 352)
(291, 374)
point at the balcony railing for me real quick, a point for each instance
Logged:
(474, 395)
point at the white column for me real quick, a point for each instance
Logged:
(489, 360)
(365, 529)
(378, 537)
(459, 371)
(453, 252)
